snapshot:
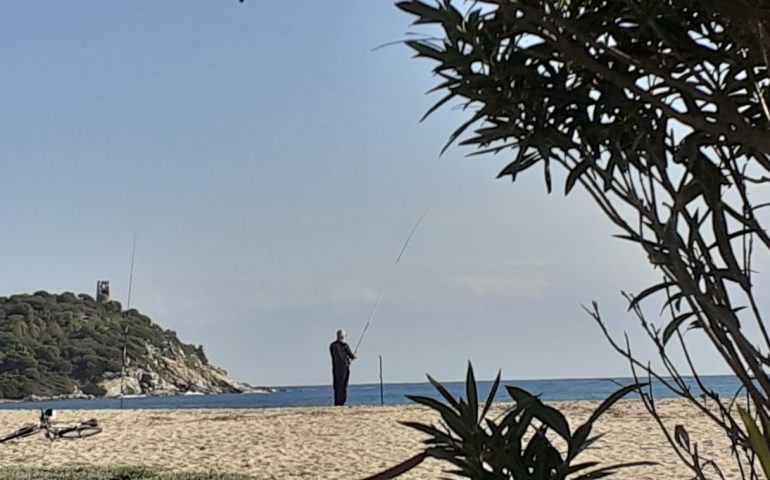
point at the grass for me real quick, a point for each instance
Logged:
(110, 473)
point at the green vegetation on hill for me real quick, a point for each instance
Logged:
(57, 344)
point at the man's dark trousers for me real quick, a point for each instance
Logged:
(341, 377)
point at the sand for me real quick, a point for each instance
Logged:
(329, 443)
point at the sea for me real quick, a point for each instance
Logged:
(389, 394)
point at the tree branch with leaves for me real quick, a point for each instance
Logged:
(659, 111)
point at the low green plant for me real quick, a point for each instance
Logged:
(518, 444)
(84, 472)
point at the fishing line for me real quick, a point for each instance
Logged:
(390, 280)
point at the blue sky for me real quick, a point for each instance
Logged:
(271, 162)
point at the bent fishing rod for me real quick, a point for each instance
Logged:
(387, 284)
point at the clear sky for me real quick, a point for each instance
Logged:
(271, 161)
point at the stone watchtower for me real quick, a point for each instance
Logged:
(103, 291)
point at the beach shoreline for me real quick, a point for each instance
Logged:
(156, 394)
(329, 443)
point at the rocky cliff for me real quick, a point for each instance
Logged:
(168, 371)
(58, 345)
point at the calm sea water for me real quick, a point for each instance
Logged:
(393, 394)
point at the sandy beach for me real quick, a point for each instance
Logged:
(328, 443)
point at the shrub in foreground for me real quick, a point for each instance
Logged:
(517, 445)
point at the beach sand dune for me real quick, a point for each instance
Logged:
(330, 443)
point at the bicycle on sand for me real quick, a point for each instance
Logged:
(53, 431)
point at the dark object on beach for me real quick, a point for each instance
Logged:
(514, 445)
(53, 431)
(341, 358)
(399, 469)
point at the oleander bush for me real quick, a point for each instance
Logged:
(519, 444)
(659, 110)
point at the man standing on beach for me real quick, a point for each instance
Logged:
(341, 357)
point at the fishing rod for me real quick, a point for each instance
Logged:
(387, 284)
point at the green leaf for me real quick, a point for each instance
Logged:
(579, 441)
(519, 394)
(426, 50)
(614, 397)
(439, 437)
(437, 105)
(461, 129)
(523, 161)
(674, 324)
(682, 438)
(453, 420)
(548, 415)
(547, 173)
(649, 291)
(424, 13)
(675, 300)
(491, 396)
(575, 174)
(591, 440)
(444, 393)
(580, 466)
(696, 324)
(554, 419)
(433, 404)
(471, 393)
(465, 413)
(541, 456)
(756, 440)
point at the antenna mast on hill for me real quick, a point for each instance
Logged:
(125, 331)
(131, 272)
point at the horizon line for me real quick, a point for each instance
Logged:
(557, 379)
